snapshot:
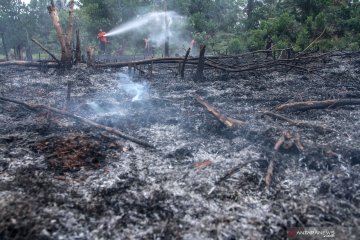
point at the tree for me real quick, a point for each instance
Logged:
(65, 38)
(12, 24)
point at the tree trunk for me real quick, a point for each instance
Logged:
(65, 39)
(167, 38)
(28, 48)
(90, 56)
(200, 68)
(4, 45)
(78, 47)
(182, 71)
(249, 12)
(18, 52)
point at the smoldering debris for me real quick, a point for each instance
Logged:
(203, 180)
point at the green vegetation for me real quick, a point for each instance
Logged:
(231, 26)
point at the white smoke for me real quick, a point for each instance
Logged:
(138, 91)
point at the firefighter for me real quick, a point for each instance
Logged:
(102, 38)
(147, 51)
(192, 45)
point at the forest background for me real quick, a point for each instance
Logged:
(225, 26)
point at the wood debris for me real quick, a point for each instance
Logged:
(83, 120)
(308, 105)
(287, 141)
(202, 164)
(227, 121)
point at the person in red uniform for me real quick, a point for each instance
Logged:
(102, 38)
(147, 47)
(192, 43)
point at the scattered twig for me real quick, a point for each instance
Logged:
(202, 164)
(279, 143)
(230, 173)
(269, 173)
(235, 170)
(298, 142)
(287, 141)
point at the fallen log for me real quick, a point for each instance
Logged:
(228, 122)
(304, 106)
(36, 107)
(30, 64)
(140, 62)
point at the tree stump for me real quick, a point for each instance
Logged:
(200, 68)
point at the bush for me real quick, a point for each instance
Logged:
(302, 41)
(234, 46)
(256, 39)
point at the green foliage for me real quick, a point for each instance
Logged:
(199, 22)
(201, 37)
(302, 40)
(283, 29)
(235, 46)
(255, 39)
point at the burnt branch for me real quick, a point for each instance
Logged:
(228, 122)
(45, 49)
(304, 106)
(114, 131)
(294, 122)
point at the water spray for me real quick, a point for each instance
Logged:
(157, 26)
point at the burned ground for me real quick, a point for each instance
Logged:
(61, 179)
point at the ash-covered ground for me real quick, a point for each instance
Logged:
(61, 179)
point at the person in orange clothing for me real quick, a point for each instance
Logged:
(147, 47)
(102, 38)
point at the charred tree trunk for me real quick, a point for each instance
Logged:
(78, 47)
(90, 56)
(200, 68)
(65, 39)
(4, 45)
(184, 62)
(18, 52)
(28, 51)
(167, 38)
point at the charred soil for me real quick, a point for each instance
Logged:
(61, 179)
